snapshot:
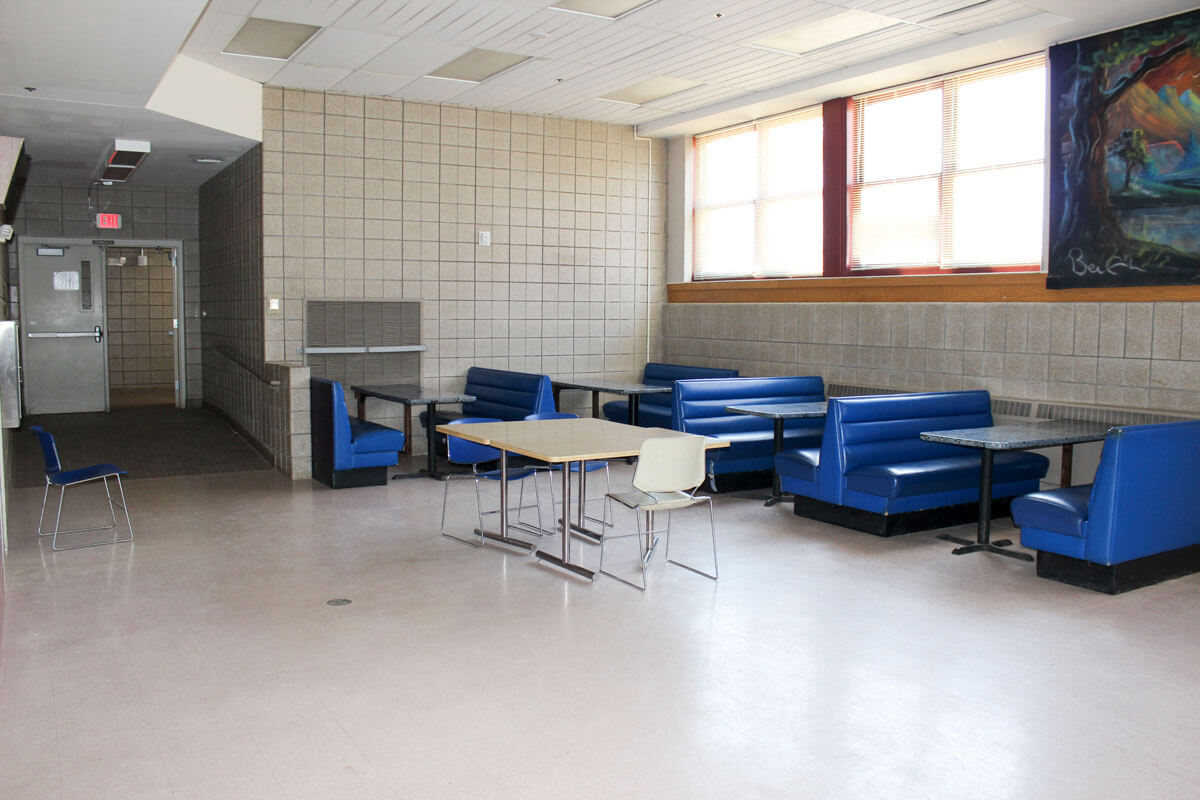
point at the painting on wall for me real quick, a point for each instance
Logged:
(1125, 157)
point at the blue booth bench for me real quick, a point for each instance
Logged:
(499, 394)
(1137, 524)
(347, 451)
(874, 473)
(699, 407)
(654, 410)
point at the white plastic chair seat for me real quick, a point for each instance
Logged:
(654, 501)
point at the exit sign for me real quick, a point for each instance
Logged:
(110, 221)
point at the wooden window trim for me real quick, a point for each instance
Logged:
(993, 287)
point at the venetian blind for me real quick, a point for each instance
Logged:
(757, 208)
(948, 172)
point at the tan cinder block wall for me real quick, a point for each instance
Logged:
(1143, 356)
(374, 198)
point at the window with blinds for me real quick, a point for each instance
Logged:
(758, 199)
(948, 173)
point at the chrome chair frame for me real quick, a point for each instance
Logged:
(56, 476)
(662, 492)
(514, 474)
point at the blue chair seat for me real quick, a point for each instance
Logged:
(1060, 510)
(513, 474)
(945, 474)
(84, 474)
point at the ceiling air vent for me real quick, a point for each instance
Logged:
(126, 156)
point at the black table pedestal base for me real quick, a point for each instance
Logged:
(992, 547)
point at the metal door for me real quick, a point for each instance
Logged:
(63, 325)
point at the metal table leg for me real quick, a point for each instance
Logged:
(502, 536)
(565, 526)
(983, 538)
(776, 492)
(633, 408)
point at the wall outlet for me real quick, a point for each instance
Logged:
(273, 304)
(485, 238)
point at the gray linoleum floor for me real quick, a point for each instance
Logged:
(202, 661)
(147, 442)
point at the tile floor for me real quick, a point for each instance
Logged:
(202, 661)
(147, 442)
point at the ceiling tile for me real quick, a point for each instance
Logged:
(338, 48)
(305, 76)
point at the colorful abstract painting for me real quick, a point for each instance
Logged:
(1125, 157)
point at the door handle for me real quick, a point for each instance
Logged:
(98, 332)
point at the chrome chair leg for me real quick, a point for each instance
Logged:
(445, 499)
(712, 523)
(642, 553)
(62, 493)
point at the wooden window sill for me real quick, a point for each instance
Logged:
(1029, 287)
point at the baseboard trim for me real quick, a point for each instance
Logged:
(894, 524)
(1118, 578)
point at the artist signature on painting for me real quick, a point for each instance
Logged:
(1112, 266)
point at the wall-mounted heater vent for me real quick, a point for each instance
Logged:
(125, 157)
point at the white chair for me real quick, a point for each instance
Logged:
(668, 472)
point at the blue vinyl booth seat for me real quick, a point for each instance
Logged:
(499, 394)
(1138, 523)
(873, 472)
(347, 451)
(699, 407)
(654, 410)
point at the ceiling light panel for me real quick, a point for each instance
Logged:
(269, 38)
(477, 65)
(649, 90)
(829, 31)
(613, 9)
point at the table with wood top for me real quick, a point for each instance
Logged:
(410, 394)
(1017, 435)
(630, 389)
(559, 441)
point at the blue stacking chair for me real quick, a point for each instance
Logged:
(57, 476)
(592, 466)
(460, 451)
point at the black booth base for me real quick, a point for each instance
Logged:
(350, 478)
(1117, 578)
(738, 481)
(894, 524)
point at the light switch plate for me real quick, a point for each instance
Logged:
(485, 238)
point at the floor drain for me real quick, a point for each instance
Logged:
(338, 601)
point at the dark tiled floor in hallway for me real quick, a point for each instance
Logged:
(149, 442)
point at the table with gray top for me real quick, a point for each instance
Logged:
(409, 395)
(1018, 435)
(779, 413)
(631, 389)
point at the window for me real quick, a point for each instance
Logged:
(947, 174)
(758, 199)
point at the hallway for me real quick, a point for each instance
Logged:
(148, 442)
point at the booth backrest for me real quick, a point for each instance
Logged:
(331, 422)
(506, 395)
(1146, 495)
(657, 374)
(699, 403)
(885, 429)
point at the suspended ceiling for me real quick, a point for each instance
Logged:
(92, 66)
